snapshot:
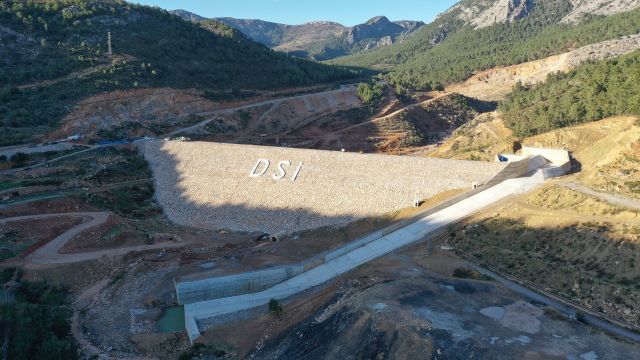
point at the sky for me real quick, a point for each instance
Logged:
(292, 12)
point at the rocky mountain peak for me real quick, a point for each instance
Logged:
(376, 28)
(378, 20)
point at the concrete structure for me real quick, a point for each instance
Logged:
(189, 292)
(256, 188)
(559, 161)
(552, 162)
(205, 301)
(218, 287)
(205, 314)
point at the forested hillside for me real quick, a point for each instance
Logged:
(448, 51)
(151, 48)
(318, 40)
(591, 92)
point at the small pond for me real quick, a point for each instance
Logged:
(172, 320)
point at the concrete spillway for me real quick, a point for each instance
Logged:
(201, 315)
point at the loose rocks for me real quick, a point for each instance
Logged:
(255, 188)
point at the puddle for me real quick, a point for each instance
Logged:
(172, 320)
(379, 306)
(589, 356)
(494, 312)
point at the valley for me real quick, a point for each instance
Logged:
(323, 191)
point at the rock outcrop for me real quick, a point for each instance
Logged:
(598, 7)
(483, 13)
(486, 13)
(376, 28)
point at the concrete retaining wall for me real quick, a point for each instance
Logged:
(560, 160)
(218, 287)
(514, 169)
(556, 156)
(353, 245)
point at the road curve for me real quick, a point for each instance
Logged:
(50, 253)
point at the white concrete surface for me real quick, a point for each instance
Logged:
(197, 314)
(188, 292)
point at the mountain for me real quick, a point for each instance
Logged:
(483, 13)
(319, 40)
(54, 53)
(476, 35)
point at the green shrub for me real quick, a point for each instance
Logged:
(420, 63)
(275, 307)
(40, 323)
(371, 94)
(166, 51)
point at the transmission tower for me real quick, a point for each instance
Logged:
(110, 53)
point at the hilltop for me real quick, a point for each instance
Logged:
(319, 40)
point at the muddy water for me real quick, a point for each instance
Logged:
(172, 320)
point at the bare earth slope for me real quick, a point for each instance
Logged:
(160, 111)
(494, 84)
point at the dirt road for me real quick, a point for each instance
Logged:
(90, 148)
(371, 121)
(117, 59)
(212, 115)
(614, 199)
(49, 253)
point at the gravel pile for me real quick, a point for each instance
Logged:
(208, 185)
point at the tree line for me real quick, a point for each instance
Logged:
(593, 91)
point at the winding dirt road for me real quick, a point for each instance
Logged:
(50, 252)
(212, 115)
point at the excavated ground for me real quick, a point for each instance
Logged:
(495, 84)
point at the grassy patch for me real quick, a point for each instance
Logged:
(133, 201)
(588, 262)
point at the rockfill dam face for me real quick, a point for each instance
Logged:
(256, 188)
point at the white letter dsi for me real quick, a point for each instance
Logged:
(264, 162)
(281, 173)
